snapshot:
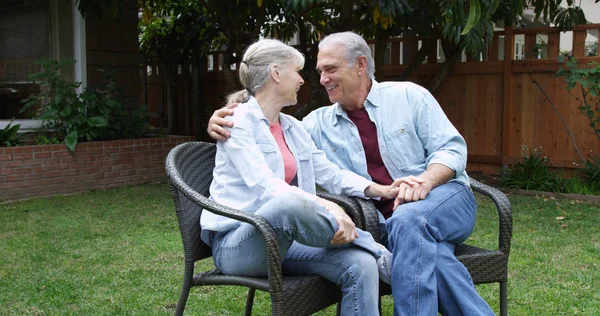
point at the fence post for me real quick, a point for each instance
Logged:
(579, 43)
(510, 130)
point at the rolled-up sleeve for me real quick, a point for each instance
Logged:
(441, 140)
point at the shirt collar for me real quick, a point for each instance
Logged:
(372, 97)
(255, 107)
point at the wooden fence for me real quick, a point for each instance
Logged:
(493, 100)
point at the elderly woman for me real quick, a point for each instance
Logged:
(270, 166)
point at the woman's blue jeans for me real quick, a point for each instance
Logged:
(422, 235)
(305, 229)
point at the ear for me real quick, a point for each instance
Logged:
(275, 73)
(361, 63)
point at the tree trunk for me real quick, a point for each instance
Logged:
(317, 92)
(451, 51)
(195, 92)
(202, 110)
(416, 61)
(381, 41)
(170, 83)
(227, 61)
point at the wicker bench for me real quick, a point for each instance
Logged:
(189, 167)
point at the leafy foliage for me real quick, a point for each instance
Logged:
(95, 114)
(9, 136)
(588, 81)
(591, 172)
(99, 8)
(531, 172)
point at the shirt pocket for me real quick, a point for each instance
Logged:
(338, 155)
(404, 146)
(270, 152)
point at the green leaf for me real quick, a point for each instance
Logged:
(474, 16)
(49, 115)
(97, 121)
(113, 103)
(66, 112)
(58, 97)
(88, 96)
(9, 131)
(71, 141)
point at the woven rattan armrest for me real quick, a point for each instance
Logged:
(266, 230)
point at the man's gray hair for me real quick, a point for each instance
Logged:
(256, 64)
(354, 47)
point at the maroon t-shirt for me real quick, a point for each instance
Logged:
(375, 167)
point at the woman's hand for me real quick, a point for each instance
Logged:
(216, 123)
(384, 191)
(346, 232)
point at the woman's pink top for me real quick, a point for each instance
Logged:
(289, 162)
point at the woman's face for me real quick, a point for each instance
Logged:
(290, 83)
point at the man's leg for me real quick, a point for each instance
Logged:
(353, 269)
(456, 292)
(414, 231)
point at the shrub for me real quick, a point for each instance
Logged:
(95, 114)
(577, 185)
(531, 172)
(591, 172)
(9, 136)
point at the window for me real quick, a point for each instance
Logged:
(30, 30)
(24, 38)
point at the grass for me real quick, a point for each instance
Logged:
(118, 252)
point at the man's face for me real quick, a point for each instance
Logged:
(337, 76)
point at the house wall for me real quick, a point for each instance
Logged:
(43, 170)
(592, 14)
(112, 43)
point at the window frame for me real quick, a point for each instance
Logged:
(79, 53)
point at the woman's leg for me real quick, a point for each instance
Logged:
(353, 269)
(293, 218)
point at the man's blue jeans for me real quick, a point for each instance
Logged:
(422, 236)
(304, 230)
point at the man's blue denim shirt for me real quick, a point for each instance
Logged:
(249, 168)
(412, 132)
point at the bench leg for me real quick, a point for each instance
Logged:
(503, 299)
(249, 301)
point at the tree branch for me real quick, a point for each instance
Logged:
(530, 73)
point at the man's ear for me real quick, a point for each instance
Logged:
(275, 72)
(361, 63)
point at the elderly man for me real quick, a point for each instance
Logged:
(397, 130)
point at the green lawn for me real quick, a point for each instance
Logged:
(119, 252)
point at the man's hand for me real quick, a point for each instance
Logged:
(216, 123)
(346, 232)
(411, 189)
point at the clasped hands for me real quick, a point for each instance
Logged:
(404, 190)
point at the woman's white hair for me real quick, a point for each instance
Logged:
(256, 64)
(354, 46)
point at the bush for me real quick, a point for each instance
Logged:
(577, 185)
(591, 172)
(95, 114)
(531, 172)
(9, 135)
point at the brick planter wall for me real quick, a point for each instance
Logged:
(42, 170)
